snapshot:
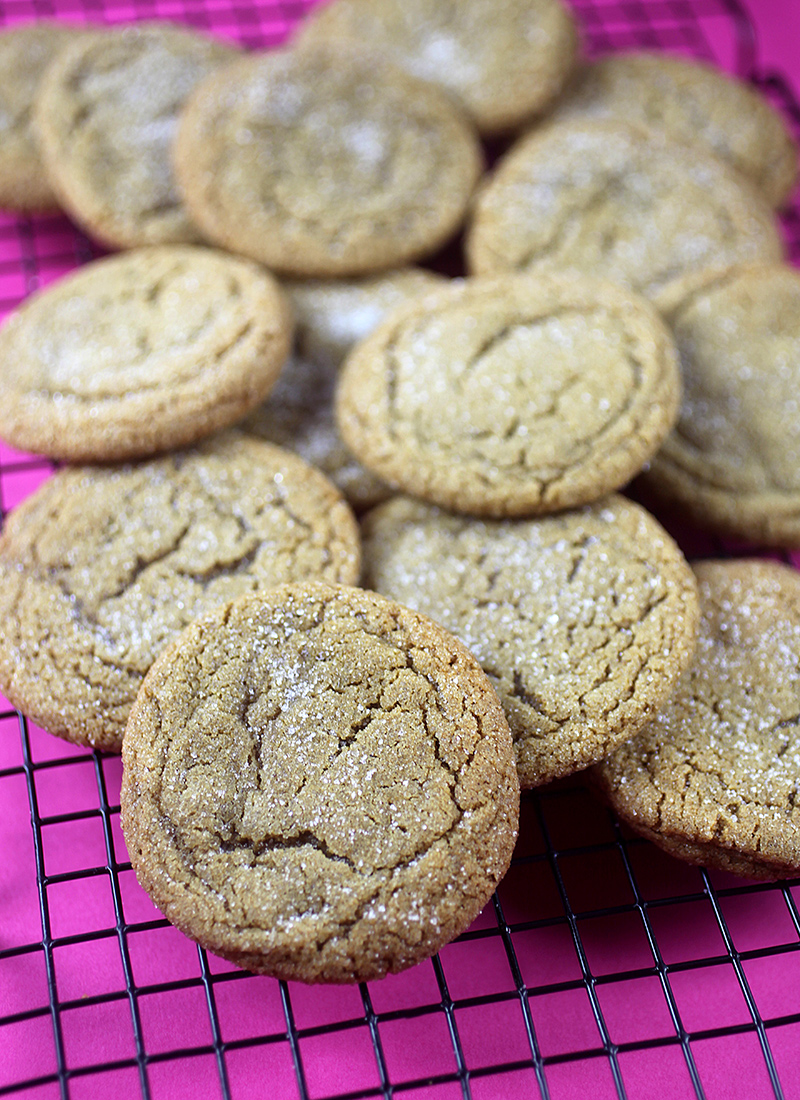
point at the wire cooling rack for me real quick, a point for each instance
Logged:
(602, 968)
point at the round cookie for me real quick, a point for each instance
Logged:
(583, 621)
(331, 317)
(615, 200)
(733, 459)
(105, 118)
(511, 396)
(325, 162)
(505, 60)
(102, 566)
(25, 52)
(318, 784)
(714, 778)
(691, 102)
(140, 353)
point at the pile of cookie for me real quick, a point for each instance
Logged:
(321, 781)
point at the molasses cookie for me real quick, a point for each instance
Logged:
(505, 60)
(25, 52)
(692, 102)
(615, 200)
(733, 459)
(105, 119)
(140, 353)
(319, 784)
(325, 162)
(331, 315)
(714, 778)
(511, 396)
(583, 621)
(102, 566)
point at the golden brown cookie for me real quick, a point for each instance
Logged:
(25, 52)
(140, 353)
(615, 200)
(319, 785)
(103, 566)
(714, 778)
(105, 119)
(505, 60)
(733, 459)
(325, 162)
(511, 396)
(692, 102)
(583, 621)
(331, 315)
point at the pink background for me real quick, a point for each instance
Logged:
(599, 957)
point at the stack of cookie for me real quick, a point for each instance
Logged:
(320, 782)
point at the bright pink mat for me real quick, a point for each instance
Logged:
(603, 969)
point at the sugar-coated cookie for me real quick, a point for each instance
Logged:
(319, 784)
(583, 621)
(511, 396)
(713, 779)
(325, 162)
(140, 353)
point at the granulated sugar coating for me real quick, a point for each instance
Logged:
(140, 353)
(319, 784)
(325, 162)
(618, 201)
(105, 118)
(733, 459)
(103, 566)
(714, 778)
(505, 60)
(511, 396)
(583, 621)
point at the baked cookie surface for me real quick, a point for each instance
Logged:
(692, 102)
(102, 566)
(583, 621)
(615, 200)
(713, 778)
(331, 316)
(511, 396)
(325, 162)
(105, 119)
(140, 353)
(505, 60)
(733, 460)
(319, 785)
(25, 53)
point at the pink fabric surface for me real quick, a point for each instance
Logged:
(604, 954)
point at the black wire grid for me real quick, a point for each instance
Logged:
(602, 967)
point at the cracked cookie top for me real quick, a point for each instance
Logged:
(692, 102)
(105, 119)
(140, 353)
(319, 784)
(732, 461)
(609, 198)
(511, 396)
(583, 621)
(714, 777)
(325, 162)
(102, 566)
(505, 60)
(25, 53)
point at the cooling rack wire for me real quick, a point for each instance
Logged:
(601, 969)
